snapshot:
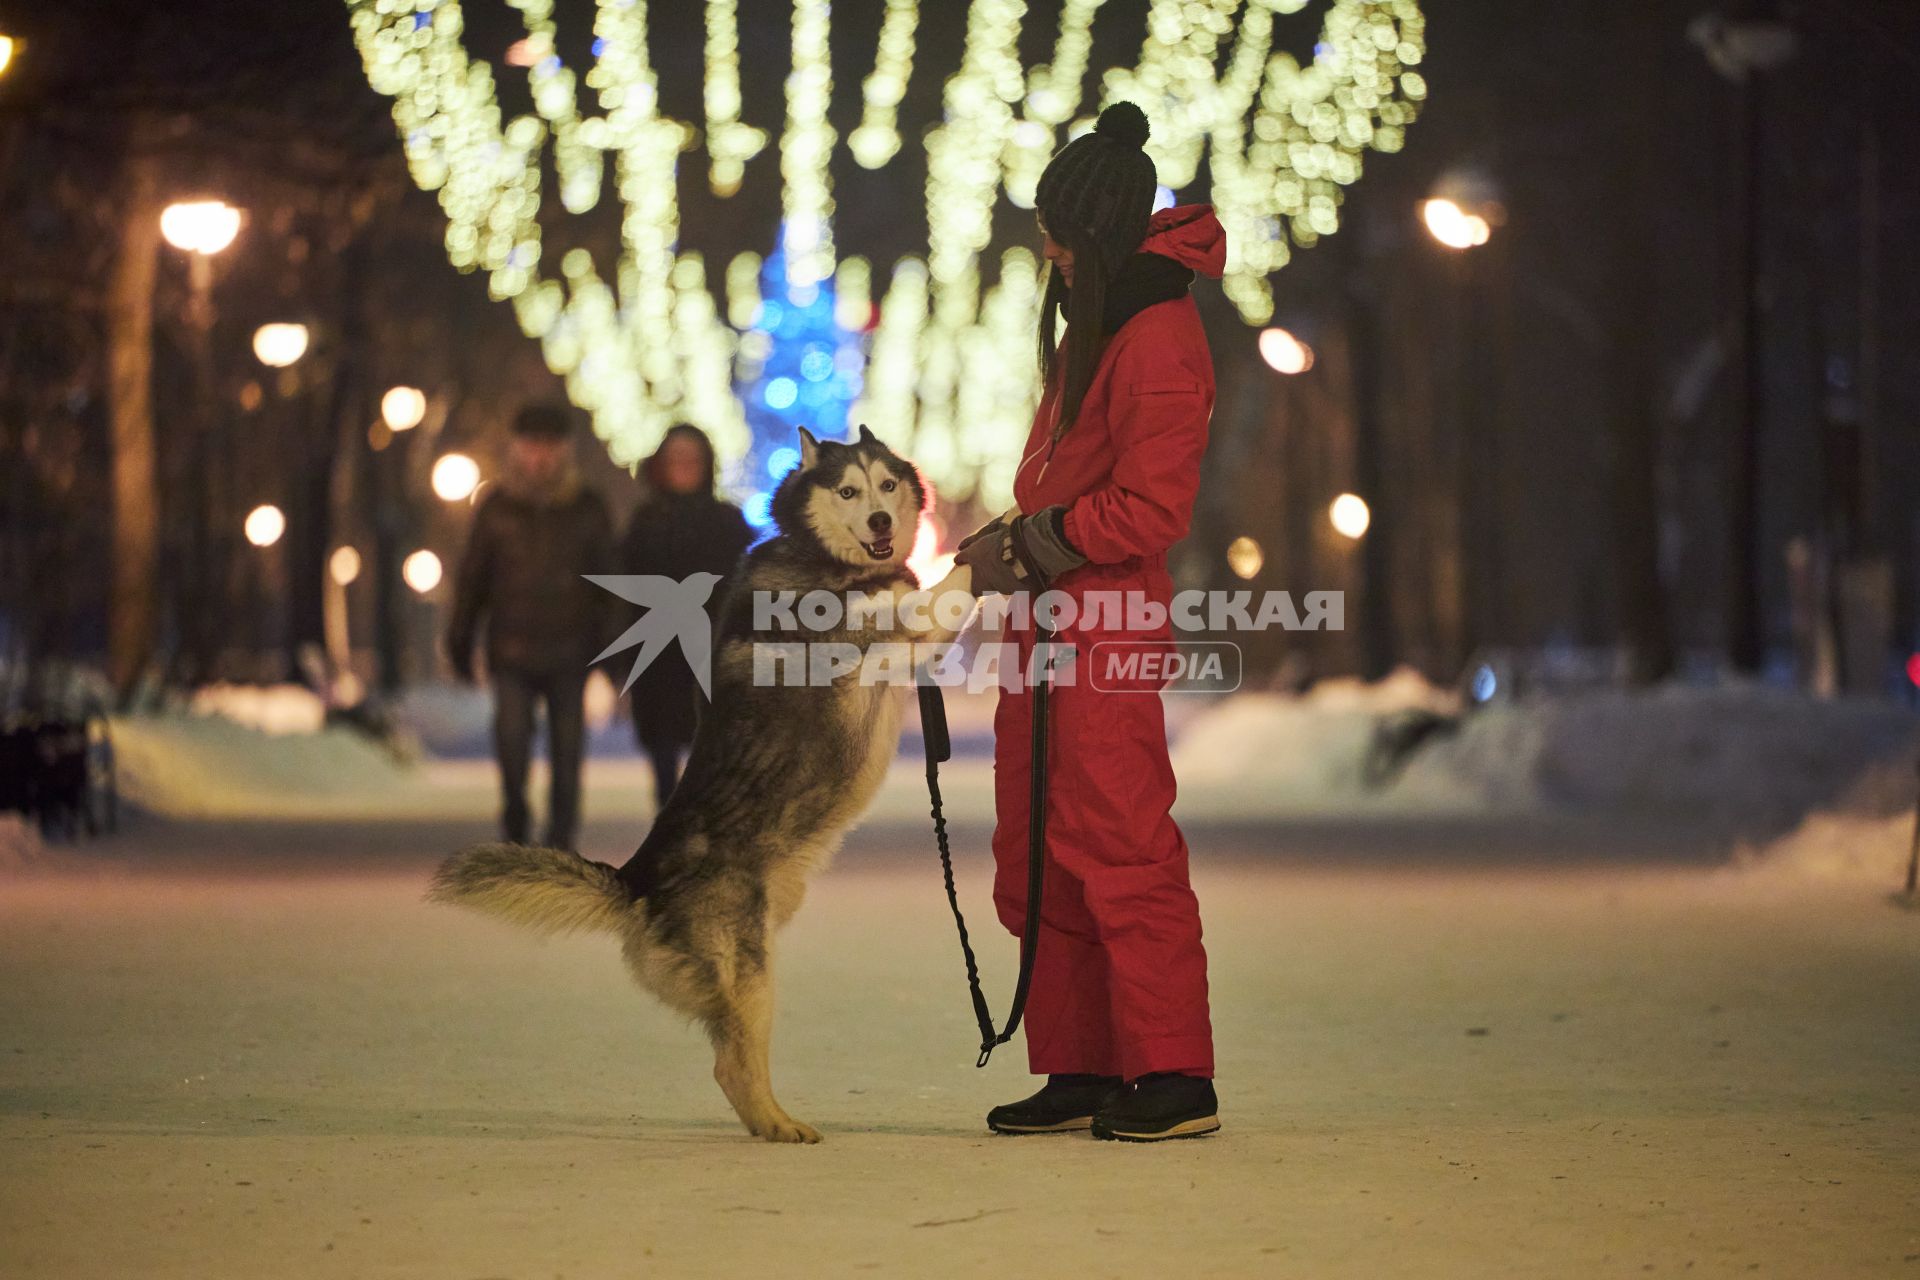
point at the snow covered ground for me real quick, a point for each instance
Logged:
(1512, 1012)
(1428, 1073)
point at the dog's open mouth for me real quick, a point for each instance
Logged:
(880, 548)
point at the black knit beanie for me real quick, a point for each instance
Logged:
(544, 422)
(1101, 185)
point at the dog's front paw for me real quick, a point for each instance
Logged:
(787, 1129)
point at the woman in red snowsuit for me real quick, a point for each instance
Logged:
(1117, 1018)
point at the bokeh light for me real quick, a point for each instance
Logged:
(1245, 558)
(1285, 353)
(1453, 226)
(344, 565)
(279, 345)
(1350, 515)
(455, 476)
(200, 226)
(402, 408)
(265, 524)
(422, 571)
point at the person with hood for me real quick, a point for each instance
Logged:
(536, 532)
(680, 528)
(1117, 1017)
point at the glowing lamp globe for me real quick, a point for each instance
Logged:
(1285, 353)
(1453, 226)
(344, 565)
(279, 345)
(264, 525)
(421, 571)
(455, 476)
(200, 226)
(402, 408)
(1245, 558)
(1350, 515)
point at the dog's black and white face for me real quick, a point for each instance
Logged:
(859, 501)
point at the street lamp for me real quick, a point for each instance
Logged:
(455, 476)
(279, 345)
(1350, 516)
(1245, 558)
(1285, 353)
(343, 566)
(1463, 210)
(7, 47)
(402, 408)
(265, 524)
(421, 571)
(1453, 226)
(201, 227)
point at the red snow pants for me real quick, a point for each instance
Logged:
(1119, 978)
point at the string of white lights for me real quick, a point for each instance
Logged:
(730, 142)
(806, 148)
(878, 138)
(950, 368)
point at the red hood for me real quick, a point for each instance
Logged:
(1191, 236)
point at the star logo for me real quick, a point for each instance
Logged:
(676, 609)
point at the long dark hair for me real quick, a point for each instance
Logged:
(1083, 305)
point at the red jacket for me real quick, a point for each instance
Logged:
(1128, 468)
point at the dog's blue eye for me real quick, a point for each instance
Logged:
(846, 491)
(888, 486)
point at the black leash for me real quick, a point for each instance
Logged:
(933, 729)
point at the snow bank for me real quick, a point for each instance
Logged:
(275, 708)
(1752, 762)
(1865, 837)
(210, 767)
(1837, 846)
(1751, 758)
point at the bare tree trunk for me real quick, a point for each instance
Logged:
(134, 608)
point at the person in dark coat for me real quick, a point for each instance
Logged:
(536, 532)
(682, 527)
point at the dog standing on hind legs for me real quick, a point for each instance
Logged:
(778, 772)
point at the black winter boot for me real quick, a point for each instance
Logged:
(1066, 1104)
(1164, 1105)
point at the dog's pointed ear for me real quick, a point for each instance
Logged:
(866, 436)
(809, 450)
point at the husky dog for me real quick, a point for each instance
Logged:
(777, 774)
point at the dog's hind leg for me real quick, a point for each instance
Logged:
(742, 1038)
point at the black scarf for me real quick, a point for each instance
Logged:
(1144, 280)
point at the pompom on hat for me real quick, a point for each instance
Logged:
(1101, 185)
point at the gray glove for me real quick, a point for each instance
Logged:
(1026, 555)
(987, 530)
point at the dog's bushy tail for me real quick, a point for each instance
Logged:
(548, 890)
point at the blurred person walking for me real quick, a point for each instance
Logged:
(681, 527)
(537, 531)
